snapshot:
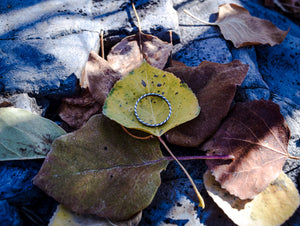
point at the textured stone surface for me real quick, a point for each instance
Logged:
(253, 86)
(9, 215)
(45, 44)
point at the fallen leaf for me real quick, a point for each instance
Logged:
(238, 26)
(257, 135)
(101, 170)
(128, 54)
(63, 216)
(120, 103)
(77, 110)
(273, 206)
(99, 77)
(214, 85)
(24, 135)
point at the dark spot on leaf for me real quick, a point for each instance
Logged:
(105, 148)
(164, 75)
(23, 150)
(120, 105)
(152, 82)
(163, 93)
(111, 176)
(158, 85)
(126, 102)
(176, 93)
(155, 76)
(158, 91)
(144, 83)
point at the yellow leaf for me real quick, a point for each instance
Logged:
(121, 101)
(64, 217)
(273, 206)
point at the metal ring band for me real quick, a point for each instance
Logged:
(148, 124)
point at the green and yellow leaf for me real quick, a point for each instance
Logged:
(119, 105)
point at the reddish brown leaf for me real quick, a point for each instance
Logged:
(257, 135)
(128, 55)
(76, 111)
(214, 85)
(238, 26)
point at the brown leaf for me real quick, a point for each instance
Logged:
(128, 55)
(214, 85)
(97, 79)
(76, 111)
(238, 26)
(100, 77)
(257, 135)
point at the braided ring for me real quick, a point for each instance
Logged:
(148, 124)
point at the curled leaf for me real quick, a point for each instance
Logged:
(24, 135)
(257, 135)
(214, 85)
(238, 26)
(128, 54)
(120, 103)
(101, 170)
(273, 206)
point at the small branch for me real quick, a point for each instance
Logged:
(102, 44)
(171, 41)
(136, 137)
(220, 157)
(196, 18)
(201, 201)
(137, 17)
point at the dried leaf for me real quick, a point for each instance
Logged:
(99, 169)
(63, 216)
(128, 54)
(273, 206)
(119, 105)
(24, 135)
(214, 85)
(76, 111)
(100, 77)
(238, 26)
(257, 135)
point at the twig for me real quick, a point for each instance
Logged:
(102, 44)
(196, 18)
(201, 201)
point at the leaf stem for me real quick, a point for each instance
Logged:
(220, 157)
(293, 157)
(102, 44)
(196, 18)
(136, 137)
(137, 17)
(201, 201)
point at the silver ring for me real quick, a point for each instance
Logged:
(148, 124)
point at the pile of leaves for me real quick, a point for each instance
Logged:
(104, 170)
